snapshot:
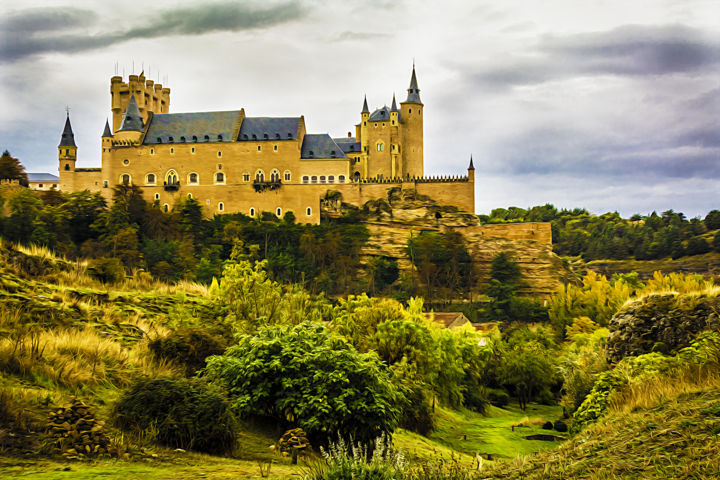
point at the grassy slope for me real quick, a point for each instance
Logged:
(707, 264)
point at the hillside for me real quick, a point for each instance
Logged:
(707, 265)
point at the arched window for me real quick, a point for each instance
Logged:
(171, 178)
(275, 175)
(219, 177)
(278, 212)
(67, 166)
(152, 151)
(171, 139)
(246, 177)
(287, 175)
(166, 207)
(220, 138)
(150, 179)
(306, 179)
(313, 179)
(157, 196)
(182, 139)
(380, 146)
(219, 154)
(322, 178)
(331, 179)
(341, 178)
(189, 195)
(194, 138)
(265, 136)
(125, 179)
(159, 139)
(308, 211)
(252, 212)
(193, 178)
(207, 138)
(221, 206)
(356, 177)
(260, 176)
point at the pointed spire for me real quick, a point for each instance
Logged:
(107, 132)
(68, 138)
(132, 120)
(413, 91)
(394, 104)
(471, 167)
(365, 106)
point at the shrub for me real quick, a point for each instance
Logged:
(107, 270)
(497, 397)
(189, 347)
(417, 414)
(547, 426)
(343, 462)
(560, 426)
(185, 413)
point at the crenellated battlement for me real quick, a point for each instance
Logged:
(151, 97)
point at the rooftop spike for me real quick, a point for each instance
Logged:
(132, 120)
(68, 138)
(107, 132)
(413, 91)
(471, 167)
(365, 106)
(394, 104)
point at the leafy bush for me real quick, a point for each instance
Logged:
(189, 347)
(417, 414)
(306, 376)
(497, 397)
(560, 426)
(108, 270)
(343, 462)
(184, 413)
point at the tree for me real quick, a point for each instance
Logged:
(12, 169)
(712, 220)
(308, 377)
(528, 369)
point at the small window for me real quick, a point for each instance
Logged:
(380, 147)
(105, 184)
(322, 178)
(246, 177)
(67, 151)
(220, 138)
(67, 166)
(221, 206)
(375, 124)
(290, 135)
(171, 178)
(341, 178)
(166, 207)
(275, 148)
(287, 176)
(331, 179)
(189, 195)
(219, 154)
(40, 185)
(275, 175)
(393, 122)
(252, 212)
(172, 150)
(313, 179)
(306, 179)
(219, 166)
(157, 196)
(207, 138)
(259, 148)
(410, 110)
(159, 140)
(383, 124)
(332, 153)
(278, 212)
(364, 124)
(265, 136)
(171, 139)
(125, 179)
(254, 137)
(194, 138)
(182, 139)
(152, 151)
(193, 178)
(150, 179)
(260, 176)
(192, 150)
(219, 177)
(126, 162)
(308, 211)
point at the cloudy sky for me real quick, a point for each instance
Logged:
(603, 104)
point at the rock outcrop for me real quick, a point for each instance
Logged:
(661, 322)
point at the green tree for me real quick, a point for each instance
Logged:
(12, 169)
(308, 377)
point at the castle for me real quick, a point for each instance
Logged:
(230, 162)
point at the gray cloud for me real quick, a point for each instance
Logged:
(359, 36)
(25, 33)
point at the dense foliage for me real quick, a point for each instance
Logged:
(12, 169)
(609, 236)
(179, 413)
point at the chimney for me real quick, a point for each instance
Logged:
(349, 134)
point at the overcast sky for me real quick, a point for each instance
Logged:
(603, 104)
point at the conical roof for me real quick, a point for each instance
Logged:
(471, 167)
(132, 120)
(107, 132)
(413, 91)
(365, 106)
(68, 138)
(394, 105)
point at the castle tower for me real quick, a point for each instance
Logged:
(395, 157)
(364, 140)
(471, 171)
(132, 127)
(67, 156)
(150, 97)
(411, 111)
(106, 156)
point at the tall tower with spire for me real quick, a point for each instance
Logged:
(67, 156)
(411, 138)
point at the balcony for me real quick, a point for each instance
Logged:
(171, 186)
(261, 186)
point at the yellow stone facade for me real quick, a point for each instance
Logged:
(231, 163)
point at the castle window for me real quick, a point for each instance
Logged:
(105, 184)
(364, 124)
(313, 179)
(207, 138)
(207, 202)
(125, 179)
(259, 148)
(40, 185)
(157, 196)
(126, 162)
(189, 195)
(275, 175)
(393, 122)
(331, 179)
(171, 139)
(221, 206)
(219, 166)
(245, 137)
(246, 177)
(166, 207)
(419, 111)
(332, 153)
(275, 148)
(287, 176)
(278, 212)
(322, 178)
(67, 151)
(152, 151)
(290, 135)
(67, 166)
(308, 211)
(150, 179)
(375, 124)
(194, 138)
(172, 150)
(193, 178)
(259, 176)
(341, 178)
(383, 124)
(220, 139)
(254, 137)
(171, 178)
(311, 154)
(306, 179)
(192, 150)
(410, 110)
(219, 154)
(265, 136)
(159, 140)
(277, 135)
(356, 177)
(252, 212)
(219, 177)
(182, 139)
(380, 146)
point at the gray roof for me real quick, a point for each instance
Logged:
(394, 105)
(365, 106)
(68, 138)
(191, 127)
(413, 91)
(107, 132)
(42, 177)
(132, 120)
(268, 128)
(380, 115)
(348, 144)
(320, 145)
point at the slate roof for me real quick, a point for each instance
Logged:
(107, 132)
(42, 177)
(320, 145)
(413, 91)
(380, 115)
(268, 128)
(132, 120)
(365, 106)
(196, 127)
(68, 138)
(348, 144)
